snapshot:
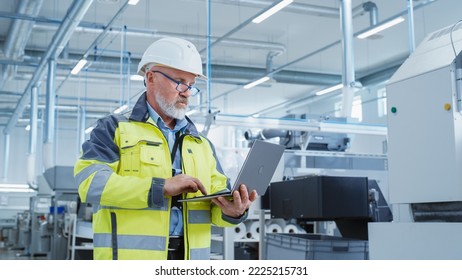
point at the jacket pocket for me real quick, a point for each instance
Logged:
(129, 156)
(152, 159)
(137, 156)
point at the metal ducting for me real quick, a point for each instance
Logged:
(372, 9)
(285, 76)
(148, 33)
(18, 35)
(75, 13)
(111, 65)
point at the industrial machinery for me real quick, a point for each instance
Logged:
(425, 154)
(348, 202)
(301, 140)
(40, 228)
(301, 169)
(52, 224)
(21, 237)
(14, 225)
(352, 202)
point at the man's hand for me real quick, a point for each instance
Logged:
(239, 204)
(182, 183)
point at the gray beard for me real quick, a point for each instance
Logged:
(170, 109)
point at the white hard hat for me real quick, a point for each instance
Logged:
(175, 53)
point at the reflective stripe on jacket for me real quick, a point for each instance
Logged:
(118, 168)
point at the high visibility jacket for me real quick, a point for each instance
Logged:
(121, 174)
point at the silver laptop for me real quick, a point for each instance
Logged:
(256, 172)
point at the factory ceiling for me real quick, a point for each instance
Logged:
(300, 48)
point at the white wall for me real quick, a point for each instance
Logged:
(65, 150)
(18, 150)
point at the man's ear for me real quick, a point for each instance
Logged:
(146, 77)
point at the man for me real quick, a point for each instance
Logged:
(134, 168)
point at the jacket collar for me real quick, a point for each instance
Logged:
(140, 113)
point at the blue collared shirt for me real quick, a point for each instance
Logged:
(176, 215)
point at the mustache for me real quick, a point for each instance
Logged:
(182, 100)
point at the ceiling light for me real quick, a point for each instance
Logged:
(136, 78)
(120, 109)
(276, 8)
(79, 66)
(380, 27)
(7, 190)
(257, 82)
(133, 2)
(14, 186)
(329, 89)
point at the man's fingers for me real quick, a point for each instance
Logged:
(243, 192)
(253, 196)
(220, 201)
(195, 185)
(237, 198)
(201, 187)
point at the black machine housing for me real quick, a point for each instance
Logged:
(351, 202)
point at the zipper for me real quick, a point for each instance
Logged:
(114, 245)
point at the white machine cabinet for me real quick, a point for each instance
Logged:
(424, 154)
